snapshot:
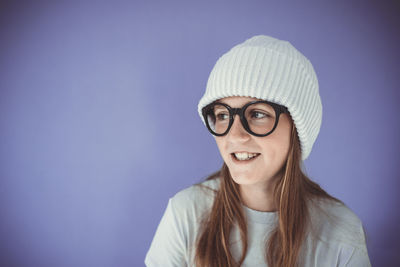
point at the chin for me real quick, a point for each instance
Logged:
(243, 181)
(243, 178)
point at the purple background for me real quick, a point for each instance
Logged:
(99, 123)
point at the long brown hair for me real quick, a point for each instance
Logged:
(291, 195)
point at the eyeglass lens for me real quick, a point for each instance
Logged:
(260, 118)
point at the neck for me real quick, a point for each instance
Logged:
(258, 198)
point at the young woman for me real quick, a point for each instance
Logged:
(262, 104)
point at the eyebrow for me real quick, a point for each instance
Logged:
(219, 107)
(218, 101)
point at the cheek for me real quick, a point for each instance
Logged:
(221, 146)
(275, 149)
(280, 150)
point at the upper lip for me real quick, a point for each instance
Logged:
(245, 152)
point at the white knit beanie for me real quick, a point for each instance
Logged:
(270, 69)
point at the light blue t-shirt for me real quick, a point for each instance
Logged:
(337, 237)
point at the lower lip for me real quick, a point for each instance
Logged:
(243, 161)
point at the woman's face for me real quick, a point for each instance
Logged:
(271, 150)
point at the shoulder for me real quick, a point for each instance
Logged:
(204, 187)
(196, 198)
(173, 241)
(334, 222)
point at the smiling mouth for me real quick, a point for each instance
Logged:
(244, 156)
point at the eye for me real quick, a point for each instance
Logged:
(255, 114)
(222, 116)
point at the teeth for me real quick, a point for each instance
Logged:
(245, 155)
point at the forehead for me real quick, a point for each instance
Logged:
(236, 100)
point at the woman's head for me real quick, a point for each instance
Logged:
(266, 68)
(254, 144)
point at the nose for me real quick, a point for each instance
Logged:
(237, 132)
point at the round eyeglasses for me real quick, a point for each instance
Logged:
(258, 118)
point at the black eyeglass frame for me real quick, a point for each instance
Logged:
(279, 109)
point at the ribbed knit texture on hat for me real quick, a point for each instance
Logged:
(267, 68)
